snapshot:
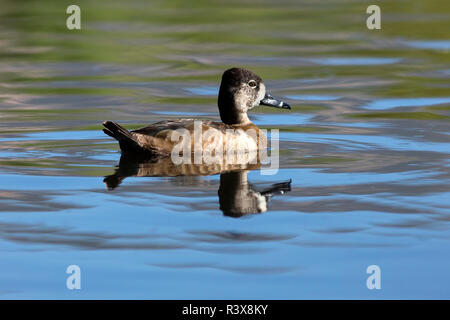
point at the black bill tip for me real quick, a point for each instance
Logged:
(272, 102)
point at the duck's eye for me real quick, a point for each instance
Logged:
(252, 83)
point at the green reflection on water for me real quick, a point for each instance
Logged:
(155, 44)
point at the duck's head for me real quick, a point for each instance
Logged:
(240, 91)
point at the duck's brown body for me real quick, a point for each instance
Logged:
(160, 138)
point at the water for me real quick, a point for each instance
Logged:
(366, 145)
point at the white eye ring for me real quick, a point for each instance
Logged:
(252, 83)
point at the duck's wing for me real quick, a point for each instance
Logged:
(160, 135)
(157, 127)
(187, 124)
(158, 138)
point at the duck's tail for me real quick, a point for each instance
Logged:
(126, 139)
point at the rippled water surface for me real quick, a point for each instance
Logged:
(366, 145)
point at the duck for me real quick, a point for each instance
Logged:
(240, 91)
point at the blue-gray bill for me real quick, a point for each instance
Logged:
(272, 102)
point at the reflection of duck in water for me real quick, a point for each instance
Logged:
(240, 91)
(237, 197)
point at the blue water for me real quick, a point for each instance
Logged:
(363, 142)
(204, 91)
(312, 97)
(427, 44)
(282, 119)
(354, 61)
(385, 104)
(366, 147)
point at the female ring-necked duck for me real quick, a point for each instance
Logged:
(240, 91)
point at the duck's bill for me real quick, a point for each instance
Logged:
(272, 102)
